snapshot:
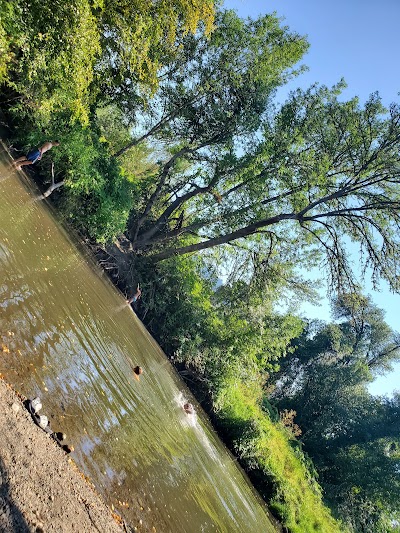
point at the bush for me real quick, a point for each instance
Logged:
(48, 55)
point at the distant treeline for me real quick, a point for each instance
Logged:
(181, 171)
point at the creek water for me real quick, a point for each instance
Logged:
(68, 336)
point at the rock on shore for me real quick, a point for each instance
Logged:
(40, 488)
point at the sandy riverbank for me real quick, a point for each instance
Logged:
(41, 489)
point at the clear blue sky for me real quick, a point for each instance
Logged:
(359, 41)
(354, 39)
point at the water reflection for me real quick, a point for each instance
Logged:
(68, 338)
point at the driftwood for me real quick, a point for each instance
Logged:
(53, 185)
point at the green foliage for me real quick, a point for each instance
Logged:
(141, 36)
(264, 447)
(223, 89)
(369, 480)
(216, 331)
(9, 35)
(55, 46)
(97, 195)
(137, 163)
(254, 335)
(176, 299)
(240, 332)
(339, 161)
(50, 51)
(113, 127)
(211, 102)
(303, 187)
(351, 436)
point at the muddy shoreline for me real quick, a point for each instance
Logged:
(41, 488)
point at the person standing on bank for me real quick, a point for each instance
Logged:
(34, 155)
(135, 297)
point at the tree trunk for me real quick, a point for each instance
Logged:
(223, 239)
(53, 185)
(52, 188)
(144, 238)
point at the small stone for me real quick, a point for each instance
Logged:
(15, 407)
(68, 448)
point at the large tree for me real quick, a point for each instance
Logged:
(351, 436)
(210, 104)
(216, 86)
(321, 172)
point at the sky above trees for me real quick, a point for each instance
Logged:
(357, 42)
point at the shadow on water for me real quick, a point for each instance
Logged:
(11, 518)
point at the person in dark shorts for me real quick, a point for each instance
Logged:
(135, 297)
(34, 155)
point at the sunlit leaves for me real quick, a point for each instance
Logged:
(140, 36)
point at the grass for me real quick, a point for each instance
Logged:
(274, 459)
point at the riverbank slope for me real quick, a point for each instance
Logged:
(40, 487)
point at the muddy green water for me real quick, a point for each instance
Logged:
(67, 336)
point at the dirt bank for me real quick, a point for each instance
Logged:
(41, 489)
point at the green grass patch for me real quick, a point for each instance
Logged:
(267, 451)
